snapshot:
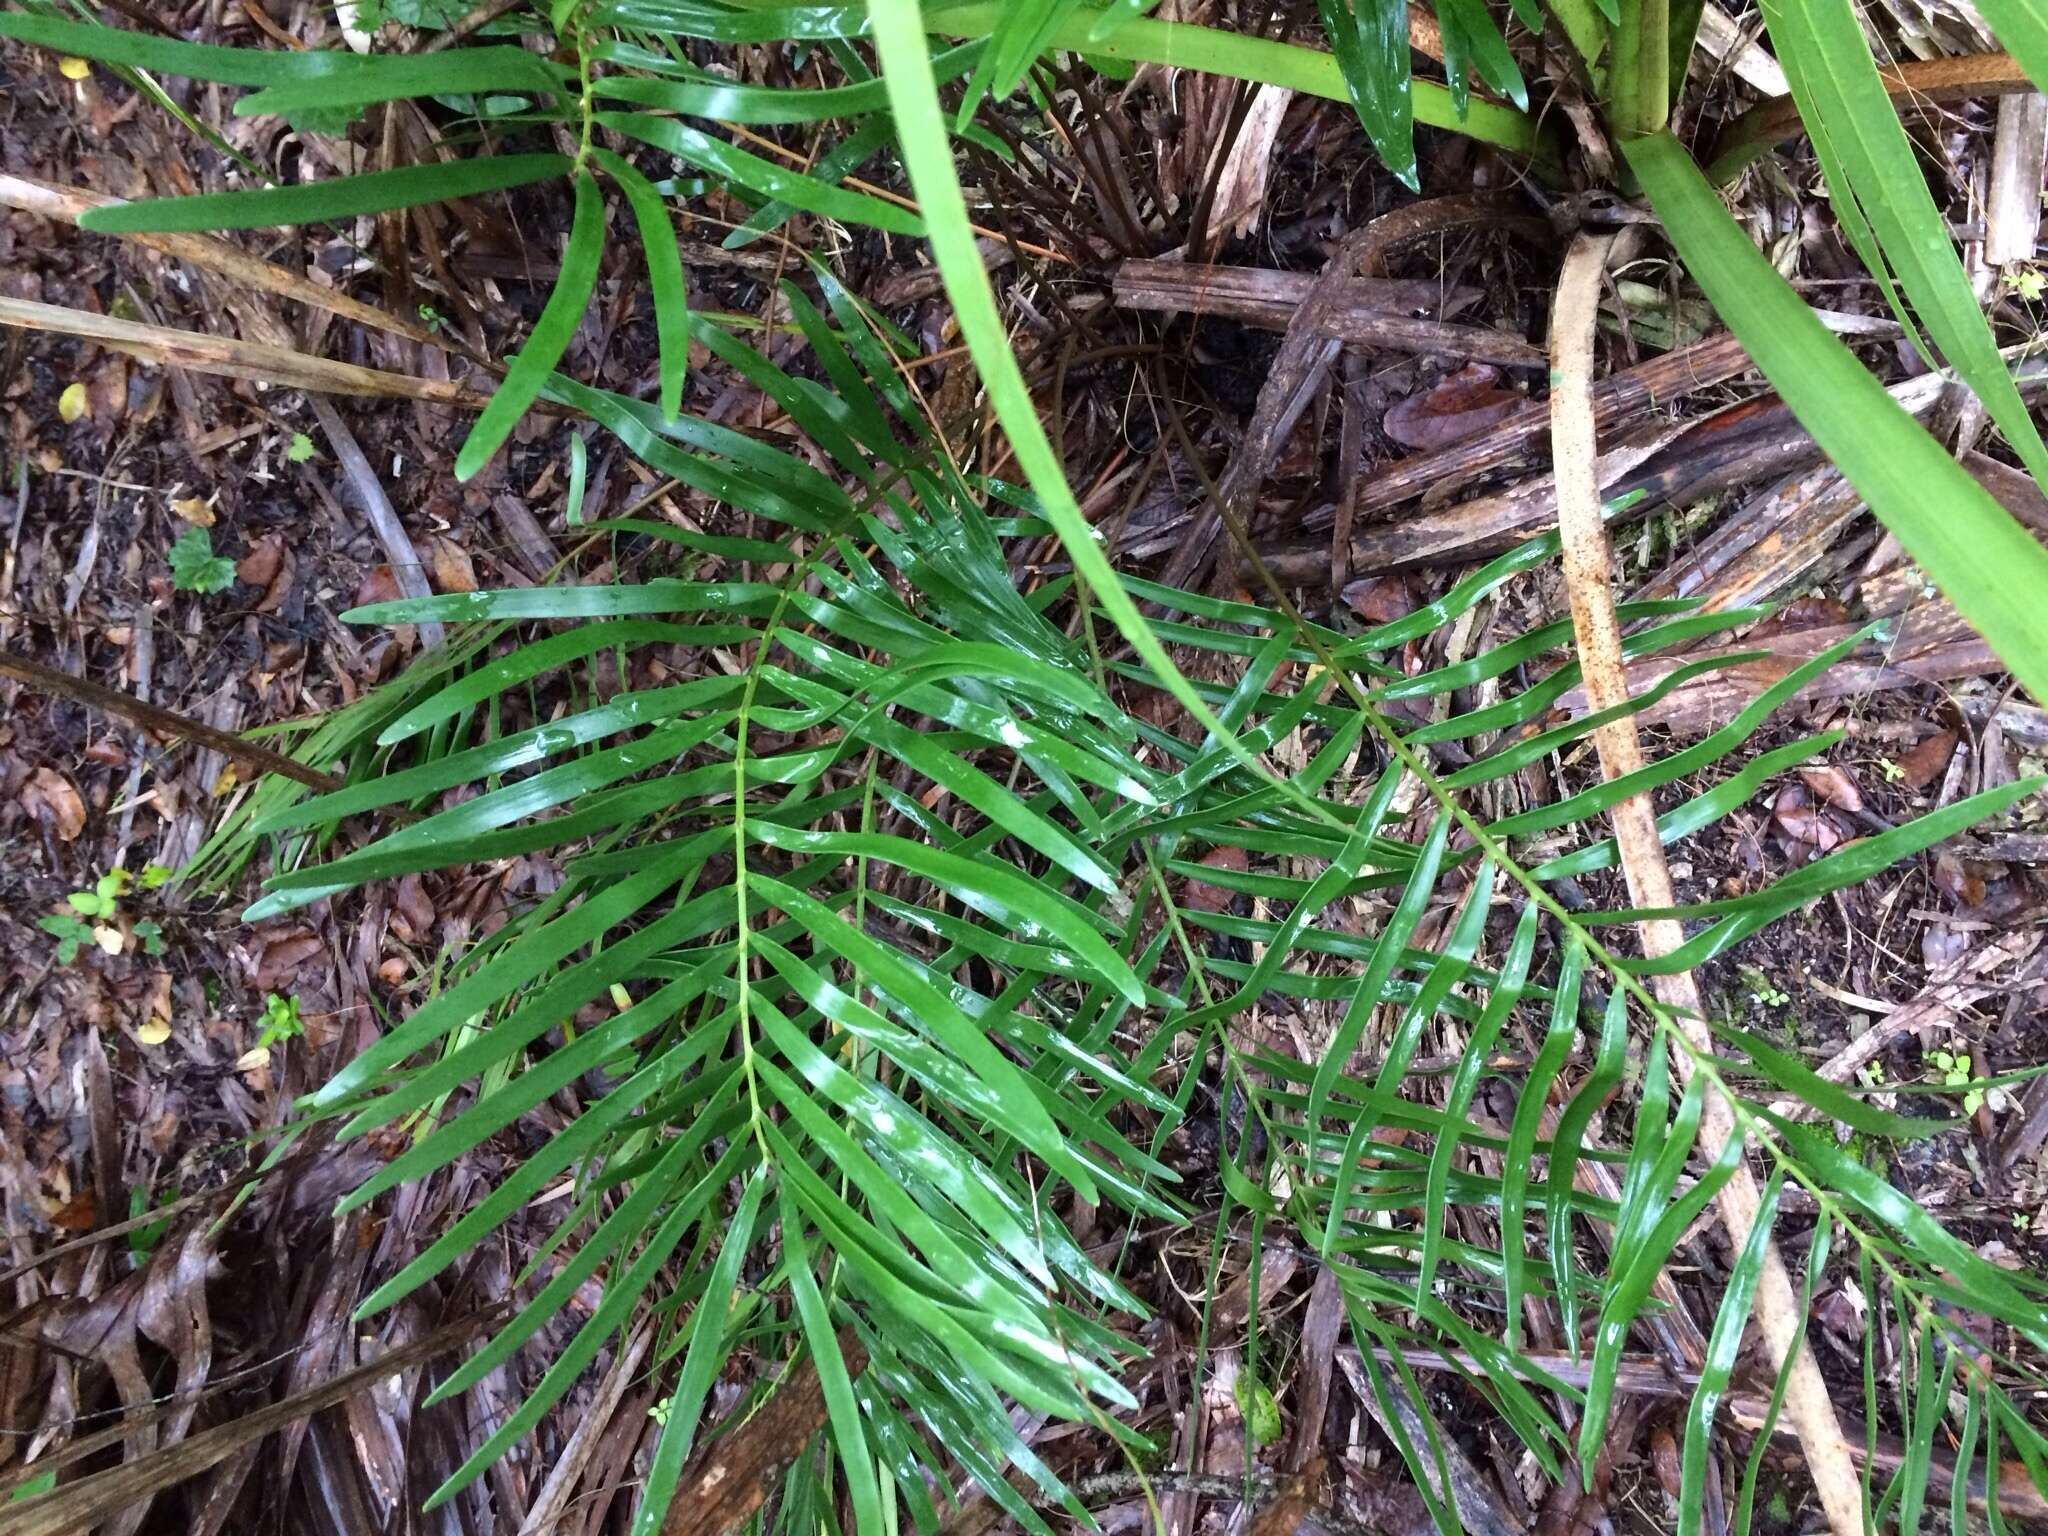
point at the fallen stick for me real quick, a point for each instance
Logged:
(1587, 566)
(1914, 83)
(1929, 643)
(69, 204)
(165, 722)
(728, 1481)
(1375, 313)
(391, 535)
(1652, 385)
(1730, 448)
(1962, 984)
(1297, 371)
(257, 361)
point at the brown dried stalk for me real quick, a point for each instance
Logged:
(1586, 571)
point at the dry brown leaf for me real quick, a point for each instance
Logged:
(1467, 402)
(50, 798)
(107, 389)
(1927, 760)
(259, 567)
(283, 955)
(1664, 1459)
(380, 585)
(1804, 822)
(1834, 786)
(1200, 896)
(1380, 599)
(453, 571)
(196, 510)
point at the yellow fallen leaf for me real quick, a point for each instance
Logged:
(71, 404)
(73, 68)
(155, 1032)
(250, 1061)
(196, 510)
(225, 784)
(621, 998)
(109, 938)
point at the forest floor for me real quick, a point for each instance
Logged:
(144, 1077)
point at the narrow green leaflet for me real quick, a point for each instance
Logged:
(1972, 548)
(761, 176)
(559, 318)
(313, 202)
(1871, 165)
(701, 1363)
(841, 1411)
(1517, 1172)
(1370, 40)
(670, 291)
(170, 56)
(1472, 38)
(356, 80)
(1722, 1349)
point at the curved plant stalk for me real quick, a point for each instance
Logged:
(1588, 559)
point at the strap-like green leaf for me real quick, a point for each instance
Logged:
(701, 1364)
(761, 176)
(1722, 1348)
(559, 318)
(667, 287)
(314, 202)
(1872, 167)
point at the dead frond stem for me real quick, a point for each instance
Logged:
(1586, 571)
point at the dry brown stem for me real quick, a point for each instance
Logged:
(1587, 576)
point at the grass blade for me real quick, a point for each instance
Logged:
(315, 202)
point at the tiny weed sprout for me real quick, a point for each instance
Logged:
(196, 568)
(92, 918)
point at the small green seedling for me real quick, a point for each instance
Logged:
(196, 568)
(1954, 1067)
(1764, 991)
(1261, 1412)
(301, 448)
(145, 1237)
(93, 917)
(281, 1021)
(1892, 771)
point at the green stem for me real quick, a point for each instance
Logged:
(1639, 81)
